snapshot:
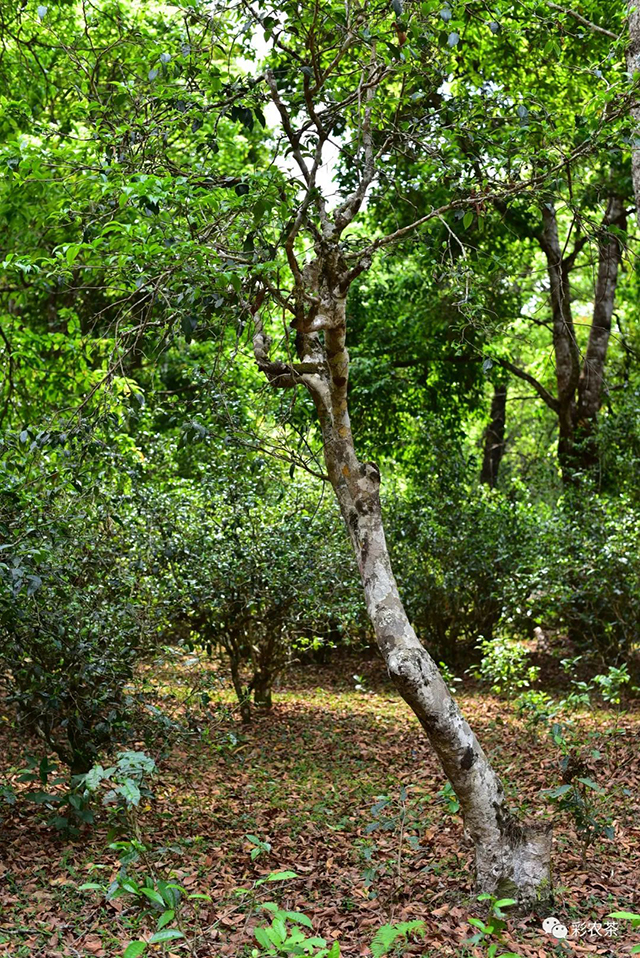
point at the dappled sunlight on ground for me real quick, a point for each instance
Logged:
(304, 781)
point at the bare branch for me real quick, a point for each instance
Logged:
(583, 20)
(292, 136)
(570, 261)
(544, 394)
(279, 374)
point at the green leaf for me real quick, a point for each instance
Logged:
(281, 876)
(130, 792)
(71, 253)
(153, 895)
(468, 219)
(165, 918)
(93, 777)
(134, 949)
(559, 791)
(262, 937)
(299, 918)
(626, 916)
(589, 783)
(171, 934)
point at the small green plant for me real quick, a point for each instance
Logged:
(576, 798)
(394, 938)
(360, 683)
(285, 936)
(451, 679)
(125, 784)
(489, 933)
(536, 708)
(249, 898)
(127, 780)
(611, 683)
(404, 819)
(260, 847)
(633, 919)
(505, 665)
(156, 899)
(449, 799)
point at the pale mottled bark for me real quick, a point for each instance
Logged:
(633, 66)
(494, 437)
(511, 858)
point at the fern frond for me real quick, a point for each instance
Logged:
(386, 937)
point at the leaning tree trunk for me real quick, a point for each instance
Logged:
(512, 858)
(633, 65)
(494, 438)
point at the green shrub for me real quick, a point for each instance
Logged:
(505, 664)
(462, 562)
(72, 623)
(246, 568)
(587, 580)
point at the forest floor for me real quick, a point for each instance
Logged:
(305, 781)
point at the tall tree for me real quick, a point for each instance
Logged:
(579, 374)
(352, 64)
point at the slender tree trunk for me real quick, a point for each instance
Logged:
(511, 858)
(592, 374)
(494, 438)
(242, 694)
(633, 65)
(262, 685)
(567, 353)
